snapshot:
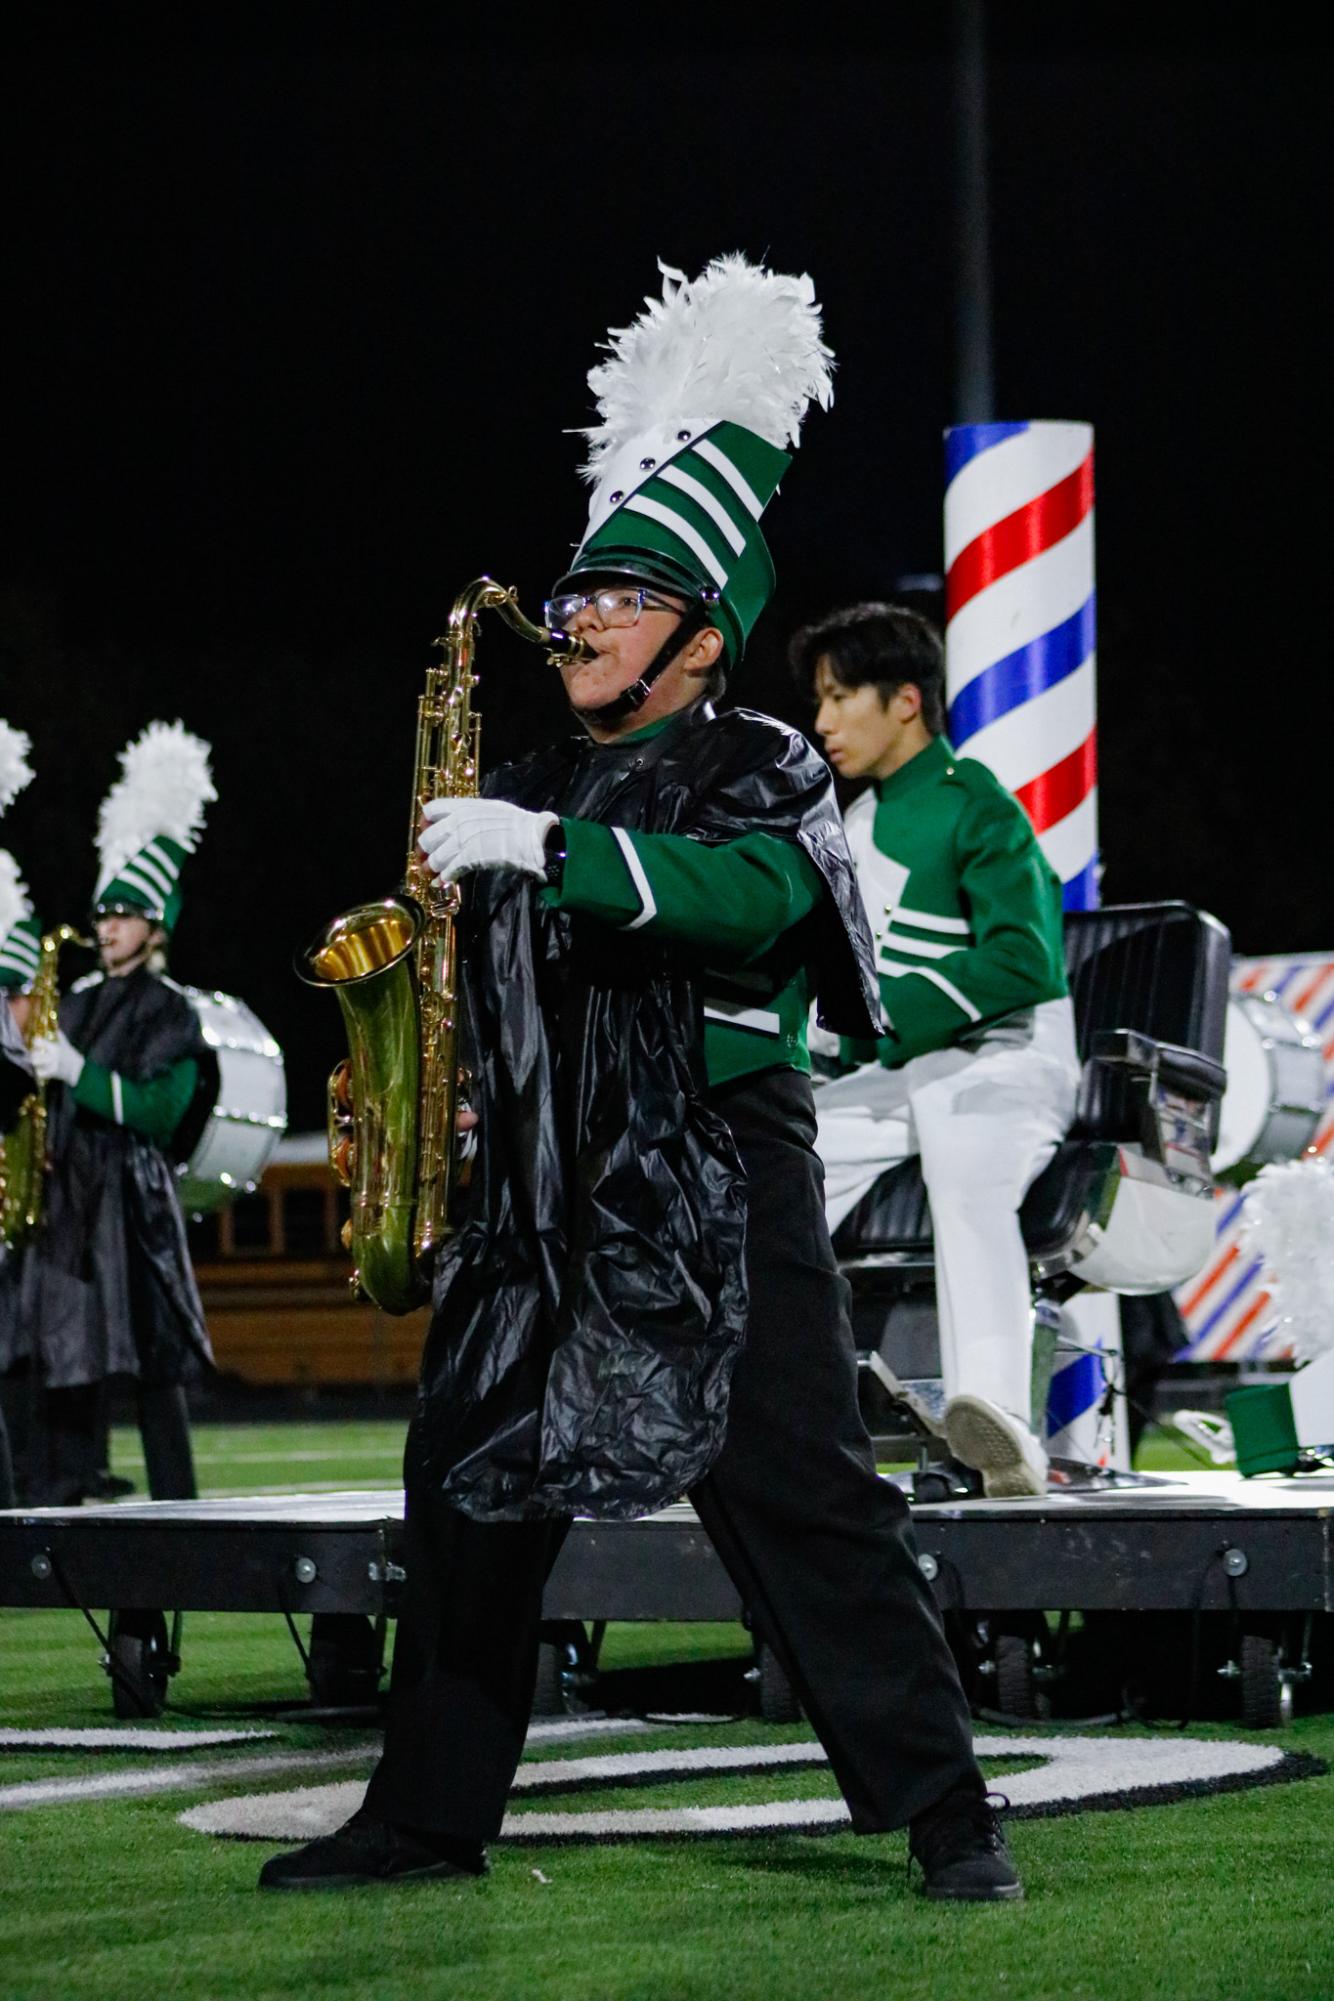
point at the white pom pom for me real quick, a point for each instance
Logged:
(15, 770)
(15, 901)
(740, 344)
(164, 786)
(1289, 1222)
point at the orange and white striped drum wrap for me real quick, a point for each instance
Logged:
(1227, 1309)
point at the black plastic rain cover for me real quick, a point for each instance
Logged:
(590, 1310)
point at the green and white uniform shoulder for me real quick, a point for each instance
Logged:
(964, 908)
(728, 904)
(154, 1106)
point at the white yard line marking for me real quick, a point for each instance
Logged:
(131, 1739)
(149, 1779)
(390, 1454)
(305, 1487)
(175, 1778)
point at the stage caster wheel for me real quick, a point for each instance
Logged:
(1018, 1692)
(345, 1662)
(946, 1480)
(566, 1659)
(549, 1688)
(779, 1702)
(140, 1663)
(1266, 1687)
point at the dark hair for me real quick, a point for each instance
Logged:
(881, 643)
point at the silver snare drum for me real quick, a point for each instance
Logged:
(1275, 1095)
(250, 1116)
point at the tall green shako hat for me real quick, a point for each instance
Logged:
(150, 821)
(20, 933)
(699, 399)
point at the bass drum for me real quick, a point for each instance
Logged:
(250, 1116)
(1275, 1095)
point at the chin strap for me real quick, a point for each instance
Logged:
(634, 697)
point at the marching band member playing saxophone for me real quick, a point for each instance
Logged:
(650, 909)
(20, 938)
(106, 1288)
(20, 948)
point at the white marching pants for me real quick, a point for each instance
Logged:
(985, 1120)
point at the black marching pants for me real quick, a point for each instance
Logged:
(819, 1548)
(64, 1442)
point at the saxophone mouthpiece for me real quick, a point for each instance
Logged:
(565, 649)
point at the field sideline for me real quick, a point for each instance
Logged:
(1223, 1898)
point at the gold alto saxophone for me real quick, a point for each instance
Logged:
(23, 1151)
(393, 1101)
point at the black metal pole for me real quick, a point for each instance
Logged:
(974, 374)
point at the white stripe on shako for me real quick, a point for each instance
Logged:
(668, 518)
(736, 479)
(710, 503)
(136, 879)
(151, 865)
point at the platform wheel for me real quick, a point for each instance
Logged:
(1018, 1690)
(549, 1689)
(140, 1663)
(1266, 1687)
(779, 1702)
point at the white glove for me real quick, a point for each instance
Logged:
(56, 1060)
(466, 834)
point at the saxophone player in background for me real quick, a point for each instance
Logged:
(641, 1299)
(20, 951)
(105, 1287)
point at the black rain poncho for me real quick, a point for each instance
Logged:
(589, 1311)
(16, 1078)
(107, 1288)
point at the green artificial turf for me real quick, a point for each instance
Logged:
(1225, 1898)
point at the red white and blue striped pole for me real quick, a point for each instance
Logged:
(1020, 626)
(1020, 678)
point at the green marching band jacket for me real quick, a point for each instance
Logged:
(590, 1308)
(964, 907)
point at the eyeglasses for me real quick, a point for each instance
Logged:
(615, 606)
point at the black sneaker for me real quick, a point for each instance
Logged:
(371, 1851)
(105, 1485)
(962, 1852)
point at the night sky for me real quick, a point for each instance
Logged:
(296, 328)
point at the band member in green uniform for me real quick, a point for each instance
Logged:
(642, 1298)
(978, 1071)
(107, 1289)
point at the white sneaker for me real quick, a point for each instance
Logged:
(1001, 1447)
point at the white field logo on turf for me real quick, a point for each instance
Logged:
(1074, 1773)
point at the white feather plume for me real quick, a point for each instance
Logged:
(1289, 1222)
(738, 343)
(15, 901)
(164, 786)
(15, 770)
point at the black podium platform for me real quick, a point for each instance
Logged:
(1188, 1541)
